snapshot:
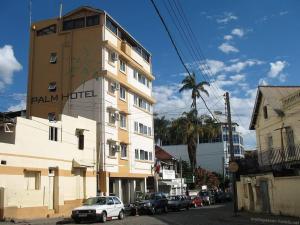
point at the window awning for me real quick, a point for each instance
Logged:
(112, 109)
(80, 163)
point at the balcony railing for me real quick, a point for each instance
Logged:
(287, 157)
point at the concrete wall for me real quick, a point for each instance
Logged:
(209, 155)
(283, 192)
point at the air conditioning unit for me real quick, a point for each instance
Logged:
(114, 56)
(115, 86)
(52, 117)
(117, 116)
(117, 148)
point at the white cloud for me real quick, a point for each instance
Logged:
(276, 68)
(20, 99)
(215, 66)
(238, 77)
(238, 32)
(283, 13)
(227, 48)
(8, 65)
(227, 17)
(228, 37)
(239, 66)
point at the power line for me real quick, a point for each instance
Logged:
(177, 51)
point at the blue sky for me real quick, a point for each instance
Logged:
(245, 43)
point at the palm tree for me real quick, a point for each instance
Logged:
(190, 83)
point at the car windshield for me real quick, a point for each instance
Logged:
(95, 201)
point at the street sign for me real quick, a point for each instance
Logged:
(233, 167)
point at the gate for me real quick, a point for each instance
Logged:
(265, 200)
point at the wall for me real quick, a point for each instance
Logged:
(33, 151)
(284, 198)
(209, 155)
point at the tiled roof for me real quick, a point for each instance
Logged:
(162, 154)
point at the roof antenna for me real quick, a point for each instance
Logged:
(60, 9)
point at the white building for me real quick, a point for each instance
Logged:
(47, 168)
(213, 154)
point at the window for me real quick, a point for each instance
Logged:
(112, 86)
(122, 66)
(150, 156)
(141, 128)
(73, 24)
(265, 109)
(142, 79)
(136, 154)
(112, 117)
(47, 30)
(123, 150)
(270, 142)
(142, 154)
(135, 99)
(52, 86)
(53, 133)
(145, 130)
(225, 137)
(290, 142)
(112, 57)
(52, 117)
(149, 131)
(136, 126)
(111, 26)
(146, 155)
(32, 180)
(236, 138)
(92, 20)
(113, 148)
(117, 201)
(80, 140)
(236, 149)
(122, 120)
(122, 93)
(135, 74)
(53, 58)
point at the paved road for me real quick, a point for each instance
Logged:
(210, 215)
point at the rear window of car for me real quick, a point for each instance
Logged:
(117, 201)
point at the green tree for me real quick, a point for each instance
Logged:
(192, 128)
(161, 130)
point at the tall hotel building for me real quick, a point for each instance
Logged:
(85, 64)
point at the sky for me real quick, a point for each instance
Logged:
(237, 46)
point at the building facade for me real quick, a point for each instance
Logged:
(47, 168)
(213, 154)
(85, 64)
(274, 187)
(168, 178)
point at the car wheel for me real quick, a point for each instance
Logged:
(77, 221)
(121, 215)
(166, 209)
(103, 217)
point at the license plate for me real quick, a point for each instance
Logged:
(83, 215)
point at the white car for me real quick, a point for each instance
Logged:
(99, 209)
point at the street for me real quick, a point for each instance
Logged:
(209, 215)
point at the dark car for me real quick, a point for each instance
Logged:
(220, 197)
(152, 203)
(177, 202)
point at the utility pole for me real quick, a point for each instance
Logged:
(181, 176)
(232, 159)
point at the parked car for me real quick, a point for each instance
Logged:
(196, 201)
(177, 202)
(152, 203)
(220, 197)
(99, 209)
(207, 197)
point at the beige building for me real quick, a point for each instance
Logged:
(47, 168)
(275, 186)
(85, 64)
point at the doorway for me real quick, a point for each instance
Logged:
(265, 200)
(53, 201)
